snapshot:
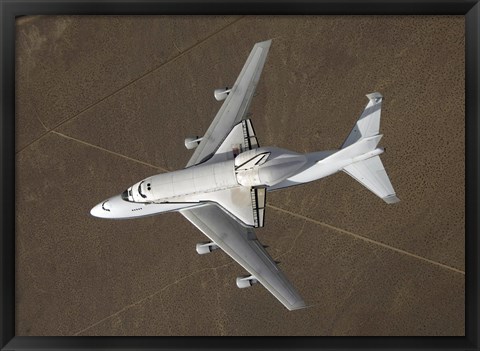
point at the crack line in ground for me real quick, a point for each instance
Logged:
(110, 152)
(368, 240)
(294, 241)
(176, 47)
(37, 115)
(151, 296)
(131, 83)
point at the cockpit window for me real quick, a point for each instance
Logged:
(104, 206)
(140, 190)
(125, 195)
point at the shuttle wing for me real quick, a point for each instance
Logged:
(236, 105)
(241, 138)
(247, 205)
(242, 245)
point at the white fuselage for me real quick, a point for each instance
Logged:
(268, 167)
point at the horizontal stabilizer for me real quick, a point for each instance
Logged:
(373, 176)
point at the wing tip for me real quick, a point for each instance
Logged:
(264, 44)
(391, 199)
(297, 306)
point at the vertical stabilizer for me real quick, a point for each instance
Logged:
(369, 122)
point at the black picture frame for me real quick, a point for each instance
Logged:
(9, 10)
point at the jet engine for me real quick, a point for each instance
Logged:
(192, 142)
(204, 248)
(221, 94)
(246, 281)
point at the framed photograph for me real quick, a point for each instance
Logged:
(99, 101)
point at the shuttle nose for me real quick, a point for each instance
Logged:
(97, 211)
(102, 210)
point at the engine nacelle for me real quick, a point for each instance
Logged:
(204, 248)
(192, 142)
(246, 281)
(221, 94)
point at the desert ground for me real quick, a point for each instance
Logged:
(103, 102)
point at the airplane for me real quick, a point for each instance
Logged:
(222, 190)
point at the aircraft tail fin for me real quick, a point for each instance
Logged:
(368, 125)
(367, 168)
(371, 174)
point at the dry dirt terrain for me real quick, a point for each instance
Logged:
(102, 102)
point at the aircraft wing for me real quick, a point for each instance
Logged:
(242, 245)
(235, 106)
